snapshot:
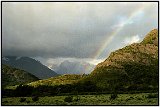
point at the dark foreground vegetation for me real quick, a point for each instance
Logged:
(103, 99)
(72, 89)
(69, 95)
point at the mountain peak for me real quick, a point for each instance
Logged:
(151, 37)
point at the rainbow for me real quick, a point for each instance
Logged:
(107, 40)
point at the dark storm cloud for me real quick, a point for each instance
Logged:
(70, 29)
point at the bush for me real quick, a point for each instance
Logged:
(152, 96)
(7, 93)
(113, 96)
(28, 101)
(22, 99)
(129, 98)
(77, 98)
(23, 90)
(68, 99)
(5, 102)
(35, 98)
(138, 98)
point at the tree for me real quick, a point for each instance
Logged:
(23, 90)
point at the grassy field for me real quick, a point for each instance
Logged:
(104, 99)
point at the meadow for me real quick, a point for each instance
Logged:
(102, 99)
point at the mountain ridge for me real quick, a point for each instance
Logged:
(14, 76)
(30, 65)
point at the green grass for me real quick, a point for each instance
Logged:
(104, 99)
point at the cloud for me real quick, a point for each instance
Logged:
(122, 22)
(133, 39)
(95, 61)
(68, 67)
(71, 30)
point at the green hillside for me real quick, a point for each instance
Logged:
(13, 76)
(59, 80)
(132, 67)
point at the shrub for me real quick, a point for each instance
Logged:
(129, 98)
(23, 90)
(77, 98)
(139, 98)
(5, 102)
(113, 96)
(28, 101)
(152, 96)
(7, 93)
(68, 99)
(35, 98)
(22, 99)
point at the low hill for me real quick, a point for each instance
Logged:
(30, 65)
(134, 66)
(13, 76)
(59, 80)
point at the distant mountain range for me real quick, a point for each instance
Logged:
(30, 65)
(13, 76)
(75, 67)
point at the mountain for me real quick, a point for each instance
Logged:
(75, 67)
(30, 65)
(134, 66)
(13, 76)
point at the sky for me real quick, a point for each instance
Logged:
(53, 32)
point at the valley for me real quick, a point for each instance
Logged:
(129, 76)
(79, 53)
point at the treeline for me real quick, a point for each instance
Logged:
(87, 87)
